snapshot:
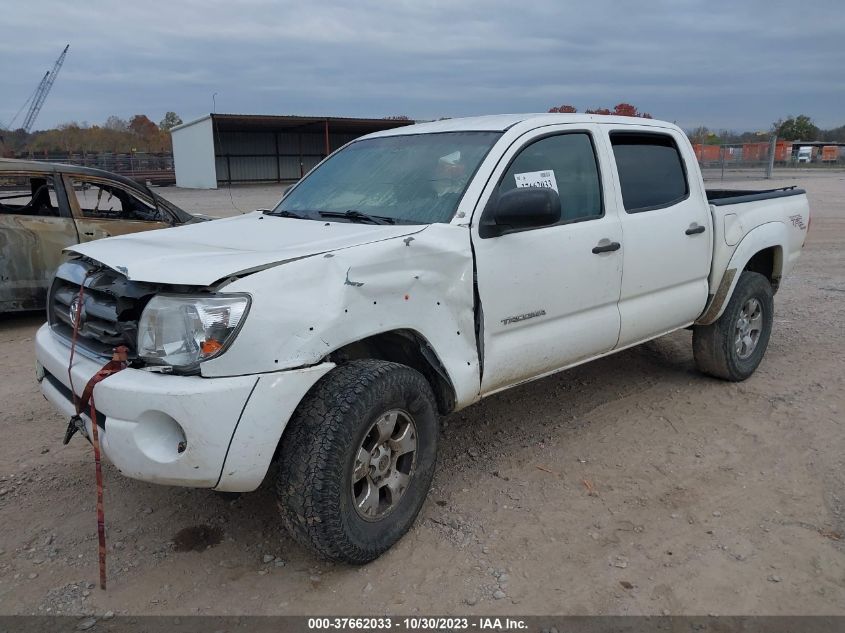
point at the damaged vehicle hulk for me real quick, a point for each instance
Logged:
(45, 207)
(412, 273)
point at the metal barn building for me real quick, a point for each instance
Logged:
(243, 148)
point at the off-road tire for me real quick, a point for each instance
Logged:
(317, 457)
(714, 346)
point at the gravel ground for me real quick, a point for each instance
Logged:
(226, 201)
(631, 485)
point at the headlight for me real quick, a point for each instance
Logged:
(181, 331)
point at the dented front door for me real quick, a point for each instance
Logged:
(35, 225)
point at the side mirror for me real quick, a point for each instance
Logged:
(524, 208)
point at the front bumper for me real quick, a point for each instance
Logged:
(216, 433)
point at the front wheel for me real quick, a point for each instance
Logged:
(357, 460)
(733, 346)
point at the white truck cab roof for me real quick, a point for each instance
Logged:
(504, 122)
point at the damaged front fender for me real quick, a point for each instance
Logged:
(304, 310)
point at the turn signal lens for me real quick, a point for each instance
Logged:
(210, 347)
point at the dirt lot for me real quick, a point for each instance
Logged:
(223, 202)
(632, 485)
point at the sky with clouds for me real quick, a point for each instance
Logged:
(737, 64)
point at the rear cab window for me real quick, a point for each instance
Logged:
(651, 171)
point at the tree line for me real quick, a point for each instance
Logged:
(140, 134)
(791, 128)
(116, 135)
(620, 109)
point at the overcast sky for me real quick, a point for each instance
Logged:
(726, 64)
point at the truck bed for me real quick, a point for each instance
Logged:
(750, 221)
(720, 197)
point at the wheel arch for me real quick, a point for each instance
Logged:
(407, 347)
(769, 263)
(760, 251)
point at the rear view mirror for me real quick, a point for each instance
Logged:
(523, 208)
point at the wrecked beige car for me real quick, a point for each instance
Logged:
(45, 207)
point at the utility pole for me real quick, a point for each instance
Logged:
(772, 147)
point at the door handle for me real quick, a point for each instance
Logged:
(607, 248)
(695, 230)
(89, 233)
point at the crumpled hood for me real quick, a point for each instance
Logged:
(200, 254)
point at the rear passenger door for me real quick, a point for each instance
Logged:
(35, 225)
(666, 232)
(103, 208)
(549, 294)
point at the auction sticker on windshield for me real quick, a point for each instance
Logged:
(536, 179)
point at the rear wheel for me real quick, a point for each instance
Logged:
(357, 460)
(733, 347)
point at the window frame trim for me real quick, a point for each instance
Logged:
(76, 206)
(494, 195)
(684, 170)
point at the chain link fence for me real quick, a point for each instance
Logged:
(736, 161)
(140, 166)
(732, 161)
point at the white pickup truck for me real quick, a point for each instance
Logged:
(410, 274)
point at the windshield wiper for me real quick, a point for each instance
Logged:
(354, 215)
(286, 214)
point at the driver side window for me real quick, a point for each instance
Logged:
(103, 201)
(566, 163)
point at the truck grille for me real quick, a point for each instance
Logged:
(111, 308)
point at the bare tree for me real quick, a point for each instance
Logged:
(170, 120)
(116, 123)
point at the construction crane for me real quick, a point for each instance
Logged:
(42, 91)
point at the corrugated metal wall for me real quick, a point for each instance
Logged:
(271, 156)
